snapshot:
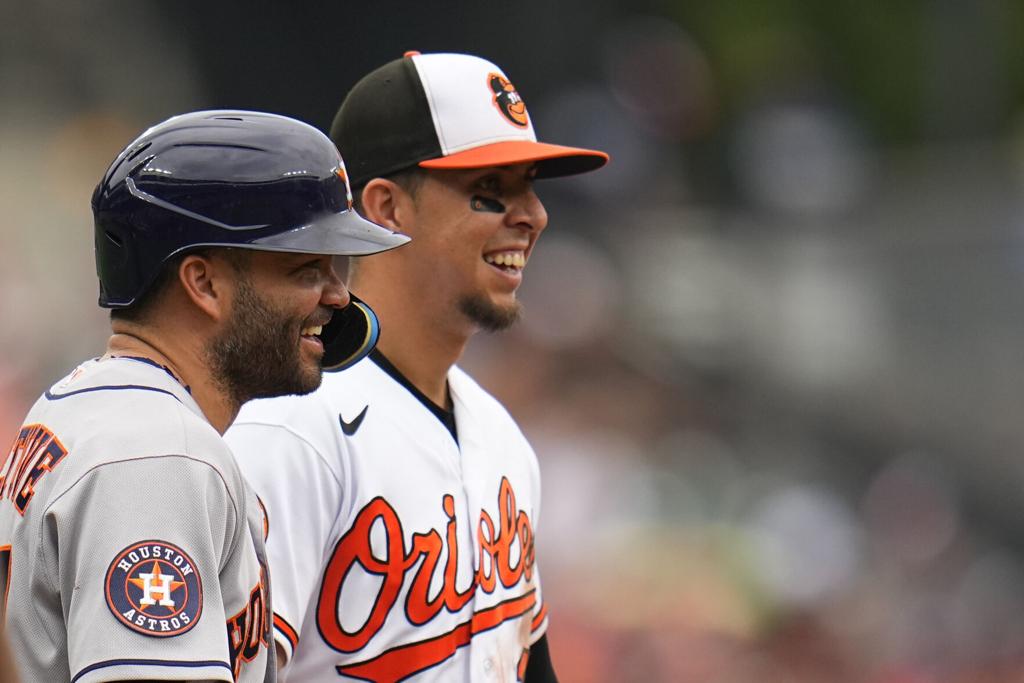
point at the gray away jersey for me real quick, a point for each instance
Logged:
(398, 554)
(130, 546)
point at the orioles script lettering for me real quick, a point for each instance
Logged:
(506, 555)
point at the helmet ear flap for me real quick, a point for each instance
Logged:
(350, 336)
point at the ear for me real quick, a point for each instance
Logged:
(207, 281)
(387, 204)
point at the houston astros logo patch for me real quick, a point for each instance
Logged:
(152, 587)
(507, 100)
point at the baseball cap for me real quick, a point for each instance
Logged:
(444, 110)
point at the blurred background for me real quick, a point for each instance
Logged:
(771, 360)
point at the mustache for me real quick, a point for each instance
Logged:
(322, 316)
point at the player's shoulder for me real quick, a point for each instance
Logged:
(463, 384)
(471, 397)
(124, 409)
(111, 415)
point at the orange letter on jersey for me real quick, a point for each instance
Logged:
(35, 452)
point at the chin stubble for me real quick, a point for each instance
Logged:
(257, 355)
(489, 316)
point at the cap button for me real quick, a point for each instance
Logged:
(411, 53)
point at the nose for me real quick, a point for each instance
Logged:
(528, 212)
(335, 293)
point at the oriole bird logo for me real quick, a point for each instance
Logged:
(508, 101)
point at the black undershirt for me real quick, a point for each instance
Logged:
(538, 666)
(447, 417)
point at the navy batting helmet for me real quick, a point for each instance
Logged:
(231, 179)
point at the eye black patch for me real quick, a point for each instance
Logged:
(478, 203)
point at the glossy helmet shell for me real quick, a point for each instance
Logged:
(223, 178)
(230, 179)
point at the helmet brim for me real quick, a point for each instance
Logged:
(340, 234)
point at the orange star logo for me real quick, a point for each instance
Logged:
(153, 585)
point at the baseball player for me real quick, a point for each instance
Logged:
(130, 546)
(402, 498)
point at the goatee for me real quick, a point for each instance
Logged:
(488, 315)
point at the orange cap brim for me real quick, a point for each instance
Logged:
(552, 160)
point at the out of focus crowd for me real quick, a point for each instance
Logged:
(772, 357)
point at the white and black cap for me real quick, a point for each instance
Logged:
(444, 111)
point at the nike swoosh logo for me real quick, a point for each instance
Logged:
(350, 427)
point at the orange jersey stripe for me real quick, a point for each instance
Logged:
(524, 660)
(539, 619)
(286, 630)
(404, 661)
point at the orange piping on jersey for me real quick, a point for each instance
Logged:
(286, 630)
(524, 658)
(539, 619)
(266, 519)
(401, 662)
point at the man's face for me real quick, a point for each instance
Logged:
(268, 346)
(475, 230)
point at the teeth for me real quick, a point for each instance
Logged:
(307, 331)
(511, 259)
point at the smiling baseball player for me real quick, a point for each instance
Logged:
(130, 546)
(402, 498)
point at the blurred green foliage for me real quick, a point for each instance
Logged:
(895, 63)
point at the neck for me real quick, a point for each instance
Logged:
(422, 342)
(186, 365)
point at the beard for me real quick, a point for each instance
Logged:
(488, 315)
(257, 355)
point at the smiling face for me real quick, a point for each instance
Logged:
(268, 346)
(473, 232)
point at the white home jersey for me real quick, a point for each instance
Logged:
(397, 553)
(130, 546)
